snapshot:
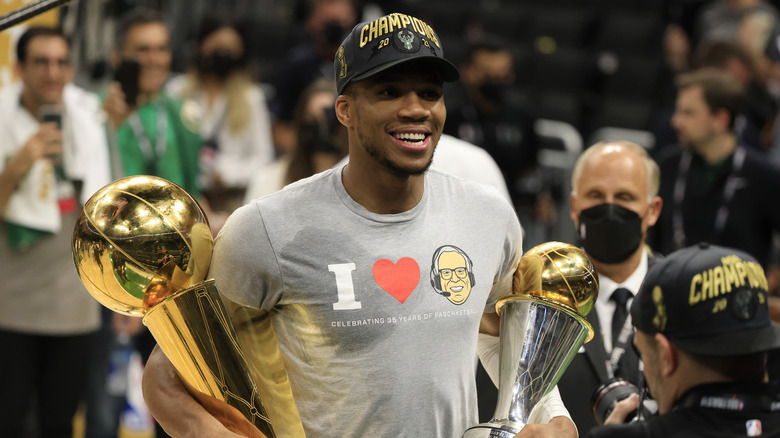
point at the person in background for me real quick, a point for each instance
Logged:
(53, 157)
(320, 142)
(325, 25)
(155, 134)
(152, 132)
(235, 122)
(490, 113)
(613, 204)
(715, 187)
(754, 123)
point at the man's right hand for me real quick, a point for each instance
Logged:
(46, 143)
(171, 404)
(115, 106)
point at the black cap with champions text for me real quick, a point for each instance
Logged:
(375, 46)
(707, 300)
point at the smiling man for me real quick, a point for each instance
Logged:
(154, 133)
(349, 244)
(53, 156)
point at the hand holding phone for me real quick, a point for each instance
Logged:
(48, 141)
(49, 114)
(127, 75)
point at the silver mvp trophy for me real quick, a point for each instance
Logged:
(542, 327)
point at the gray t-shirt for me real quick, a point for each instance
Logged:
(376, 315)
(41, 292)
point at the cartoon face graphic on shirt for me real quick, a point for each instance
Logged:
(451, 274)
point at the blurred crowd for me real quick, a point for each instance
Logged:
(234, 100)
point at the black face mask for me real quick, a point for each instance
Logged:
(333, 33)
(493, 91)
(220, 64)
(610, 233)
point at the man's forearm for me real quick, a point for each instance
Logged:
(172, 405)
(558, 427)
(13, 172)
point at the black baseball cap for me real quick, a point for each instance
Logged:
(375, 46)
(707, 300)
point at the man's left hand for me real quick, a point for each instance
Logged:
(558, 427)
(622, 409)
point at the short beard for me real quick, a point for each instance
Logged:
(381, 157)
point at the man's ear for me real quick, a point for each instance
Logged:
(655, 210)
(723, 116)
(343, 113)
(667, 355)
(573, 210)
(18, 69)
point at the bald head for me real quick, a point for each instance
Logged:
(631, 154)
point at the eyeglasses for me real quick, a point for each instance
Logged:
(42, 63)
(447, 273)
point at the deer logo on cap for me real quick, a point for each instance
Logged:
(406, 41)
(407, 38)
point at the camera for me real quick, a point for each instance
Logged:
(608, 395)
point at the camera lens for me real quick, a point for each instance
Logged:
(605, 398)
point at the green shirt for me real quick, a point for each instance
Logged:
(178, 160)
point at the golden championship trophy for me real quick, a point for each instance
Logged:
(542, 327)
(142, 247)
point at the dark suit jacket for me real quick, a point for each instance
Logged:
(588, 371)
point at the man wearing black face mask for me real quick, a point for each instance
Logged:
(613, 203)
(327, 23)
(490, 113)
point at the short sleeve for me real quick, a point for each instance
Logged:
(512, 251)
(244, 265)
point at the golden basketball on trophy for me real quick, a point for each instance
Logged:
(542, 327)
(142, 247)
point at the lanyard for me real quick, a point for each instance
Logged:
(722, 214)
(151, 155)
(621, 343)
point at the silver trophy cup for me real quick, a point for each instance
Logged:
(542, 328)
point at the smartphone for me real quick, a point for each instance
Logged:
(50, 113)
(127, 75)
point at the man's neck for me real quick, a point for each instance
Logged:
(146, 97)
(718, 149)
(380, 190)
(691, 374)
(484, 106)
(619, 272)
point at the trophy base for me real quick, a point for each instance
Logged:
(492, 430)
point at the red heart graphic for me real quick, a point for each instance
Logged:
(397, 279)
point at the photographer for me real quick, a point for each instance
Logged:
(703, 330)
